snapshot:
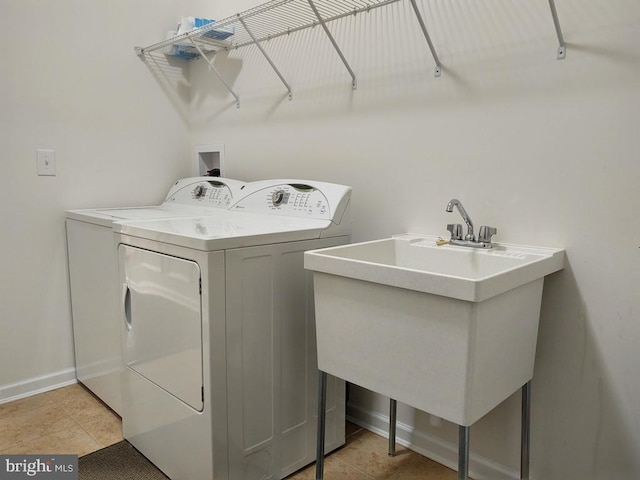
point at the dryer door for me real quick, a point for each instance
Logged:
(163, 321)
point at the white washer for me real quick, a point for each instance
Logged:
(93, 275)
(219, 343)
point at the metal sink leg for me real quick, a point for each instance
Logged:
(463, 433)
(526, 431)
(525, 434)
(322, 411)
(463, 452)
(393, 405)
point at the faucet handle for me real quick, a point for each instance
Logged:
(456, 231)
(485, 233)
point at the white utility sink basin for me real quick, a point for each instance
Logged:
(417, 263)
(450, 330)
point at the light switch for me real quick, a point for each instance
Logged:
(46, 162)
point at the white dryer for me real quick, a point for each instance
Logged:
(93, 275)
(218, 329)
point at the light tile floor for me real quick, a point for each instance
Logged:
(71, 420)
(364, 457)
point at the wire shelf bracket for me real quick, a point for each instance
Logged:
(266, 56)
(562, 48)
(354, 81)
(423, 27)
(215, 70)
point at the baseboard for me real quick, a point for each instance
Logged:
(35, 385)
(446, 453)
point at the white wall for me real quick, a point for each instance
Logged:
(545, 150)
(71, 82)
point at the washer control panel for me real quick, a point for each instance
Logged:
(207, 193)
(291, 199)
(286, 197)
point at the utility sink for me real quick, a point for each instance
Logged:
(417, 263)
(450, 330)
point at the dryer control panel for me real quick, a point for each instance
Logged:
(206, 192)
(295, 199)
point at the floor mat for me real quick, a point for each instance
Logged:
(117, 462)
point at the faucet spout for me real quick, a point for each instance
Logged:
(465, 216)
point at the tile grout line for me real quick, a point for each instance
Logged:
(49, 434)
(54, 401)
(100, 444)
(353, 467)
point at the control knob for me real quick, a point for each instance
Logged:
(199, 191)
(277, 197)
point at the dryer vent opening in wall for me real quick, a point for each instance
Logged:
(209, 160)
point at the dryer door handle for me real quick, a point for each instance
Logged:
(126, 306)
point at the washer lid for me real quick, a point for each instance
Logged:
(106, 216)
(225, 231)
(188, 197)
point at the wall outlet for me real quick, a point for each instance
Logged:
(46, 162)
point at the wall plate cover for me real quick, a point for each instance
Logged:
(46, 162)
(208, 158)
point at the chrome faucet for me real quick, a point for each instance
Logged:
(465, 216)
(469, 240)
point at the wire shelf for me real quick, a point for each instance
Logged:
(276, 18)
(270, 20)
